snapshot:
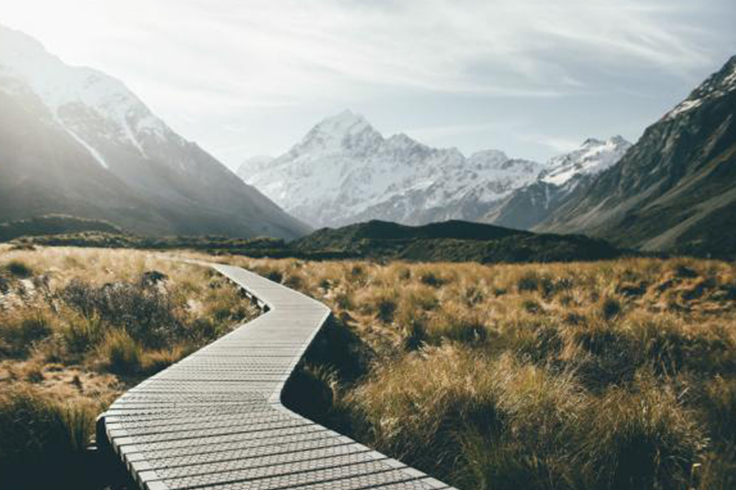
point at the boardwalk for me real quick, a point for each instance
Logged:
(214, 420)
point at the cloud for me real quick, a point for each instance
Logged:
(210, 60)
(266, 49)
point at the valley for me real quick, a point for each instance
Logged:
(467, 298)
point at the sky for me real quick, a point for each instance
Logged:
(533, 78)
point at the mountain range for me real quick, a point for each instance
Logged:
(674, 190)
(76, 141)
(564, 177)
(344, 171)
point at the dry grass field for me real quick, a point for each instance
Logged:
(77, 328)
(609, 375)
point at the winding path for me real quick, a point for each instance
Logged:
(215, 420)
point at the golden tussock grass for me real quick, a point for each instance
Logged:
(80, 326)
(610, 375)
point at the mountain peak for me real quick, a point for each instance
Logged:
(592, 142)
(619, 140)
(345, 131)
(345, 122)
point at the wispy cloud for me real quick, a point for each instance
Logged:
(205, 59)
(267, 49)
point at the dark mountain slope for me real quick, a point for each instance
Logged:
(43, 171)
(76, 141)
(676, 188)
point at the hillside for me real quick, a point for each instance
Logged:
(53, 225)
(76, 141)
(675, 190)
(455, 241)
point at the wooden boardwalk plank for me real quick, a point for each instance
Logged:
(215, 420)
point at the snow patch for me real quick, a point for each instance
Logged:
(95, 154)
(685, 106)
(593, 157)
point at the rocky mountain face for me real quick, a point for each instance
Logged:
(76, 141)
(344, 171)
(564, 177)
(676, 188)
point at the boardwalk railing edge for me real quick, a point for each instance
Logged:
(113, 433)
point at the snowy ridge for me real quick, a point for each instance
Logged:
(594, 156)
(62, 89)
(715, 86)
(345, 171)
(562, 178)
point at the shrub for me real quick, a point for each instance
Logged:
(458, 324)
(294, 280)
(158, 360)
(20, 330)
(34, 374)
(718, 470)
(610, 308)
(528, 282)
(419, 298)
(430, 278)
(317, 393)
(146, 313)
(719, 402)
(381, 302)
(19, 269)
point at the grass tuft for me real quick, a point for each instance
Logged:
(121, 354)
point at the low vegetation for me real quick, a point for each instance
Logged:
(451, 241)
(78, 327)
(51, 225)
(610, 375)
(213, 244)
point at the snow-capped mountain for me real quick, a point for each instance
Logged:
(560, 180)
(344, 171)
(76, 140)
